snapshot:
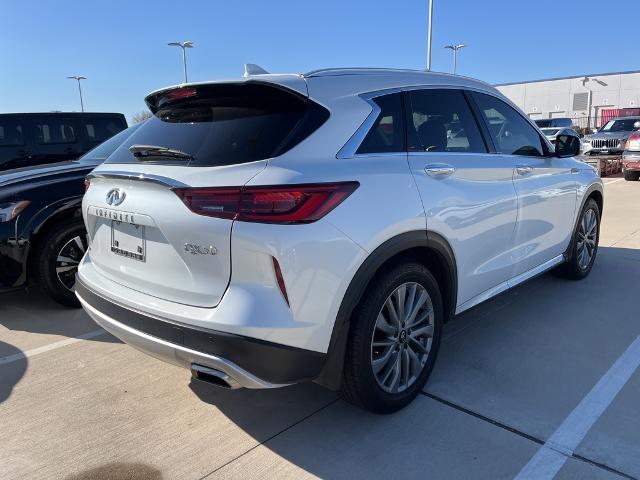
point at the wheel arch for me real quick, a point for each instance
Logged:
(428, 248)
(594, 191)
(45, 220)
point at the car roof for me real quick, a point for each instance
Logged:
(630, 117)
(360, 79)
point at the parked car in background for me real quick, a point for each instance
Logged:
(553, 133)
(631, 157)
(554, 122)
(287, 228)
(28, 139)
(611, 138)
(42, 236)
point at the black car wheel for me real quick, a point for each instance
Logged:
(394, 339)
(584, 246)
(57, 261)
(631, 176)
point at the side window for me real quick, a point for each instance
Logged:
(387, 133)
(11, 133)
(440, 120)
(511, 133)
(99, 129)
(54, 130)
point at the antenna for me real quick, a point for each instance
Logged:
(251, 69)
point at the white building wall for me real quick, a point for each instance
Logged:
(554, 98)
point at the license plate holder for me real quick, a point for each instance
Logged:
(128, 240)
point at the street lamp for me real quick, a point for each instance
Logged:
(586, 80)
(430, 21)
(183, 46)
(78, 78)
(454, 49)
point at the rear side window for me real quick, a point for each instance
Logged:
(225, 124)
(99, 129)
(440, 120)
(11, 133)
(511, 133)
(387, 133)
(55, 130)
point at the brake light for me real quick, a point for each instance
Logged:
(633, 143)
(288, 204)
(180, 93)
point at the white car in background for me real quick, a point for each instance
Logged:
(287, 228)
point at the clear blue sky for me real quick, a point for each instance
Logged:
(121, 45)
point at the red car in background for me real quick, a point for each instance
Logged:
(631, 158)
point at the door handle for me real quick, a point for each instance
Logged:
(524, 169)
(439, 170)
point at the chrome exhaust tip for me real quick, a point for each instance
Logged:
(213, 377)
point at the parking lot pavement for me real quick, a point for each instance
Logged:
(515, 375)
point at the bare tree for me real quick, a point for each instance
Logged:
(141, 116)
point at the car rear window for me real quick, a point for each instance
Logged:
(224, 124)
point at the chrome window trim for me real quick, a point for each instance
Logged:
(139, 177)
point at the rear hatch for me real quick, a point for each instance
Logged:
(142, 234)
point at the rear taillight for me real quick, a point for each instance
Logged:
(87, 184)
(272, 204)
(633, 143)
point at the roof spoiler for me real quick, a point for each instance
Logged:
(251, 69)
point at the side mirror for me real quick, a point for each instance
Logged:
(567, 146)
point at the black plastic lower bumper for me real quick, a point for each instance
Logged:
(272, 362)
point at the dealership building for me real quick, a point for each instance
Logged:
(590, 100)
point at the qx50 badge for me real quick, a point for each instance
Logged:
(194, 249)
(115, 197)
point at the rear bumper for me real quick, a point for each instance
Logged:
(249, 362)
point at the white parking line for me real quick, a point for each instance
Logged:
(553, 454)
(613, 181)
(47, 348)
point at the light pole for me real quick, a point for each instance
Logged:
(184, 46)
(430, 21)
(78, 78)
(454, 48)
(586, 80)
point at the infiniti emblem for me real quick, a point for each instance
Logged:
(115, 197)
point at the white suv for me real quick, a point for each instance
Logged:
(288, 228)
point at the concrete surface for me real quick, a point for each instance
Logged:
(76, 403)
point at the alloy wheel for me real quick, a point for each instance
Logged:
(69, 258)
(587, 233)
(402, 337)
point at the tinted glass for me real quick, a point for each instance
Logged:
(55, 130)
(625, 125)
(221, 124)
(387, 133)
(11, 132)
(441, 121)
(550, 131)
(99, 129)
(106, 148)
(511, 133)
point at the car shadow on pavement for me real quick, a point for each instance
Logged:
(325, 441)
(32, 311)
(118, 471)
(13, 365)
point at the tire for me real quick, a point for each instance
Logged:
(61, 241)
(631, 176)
(577, 267)
(366, 389)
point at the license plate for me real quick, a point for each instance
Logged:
(128, 240)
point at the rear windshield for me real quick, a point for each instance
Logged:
(223, 124)
(550, 131)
